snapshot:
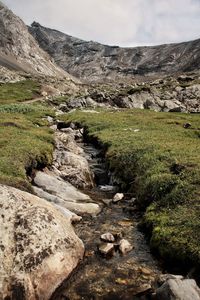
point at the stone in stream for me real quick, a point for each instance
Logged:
(118, 197)
(178, 289)
(125, 246)
(58, 191)
(106, 249)
(38, 246)
(107, 237)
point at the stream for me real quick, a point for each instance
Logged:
(129, 276)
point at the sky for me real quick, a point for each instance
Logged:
(116, 22)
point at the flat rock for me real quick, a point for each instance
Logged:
(107, 237)
(125, 246)
(178, 289)
(106, 249)
(59, 188)
(76, 207)
(38, 246)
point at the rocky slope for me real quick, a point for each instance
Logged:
(18, 49)
(94, 61)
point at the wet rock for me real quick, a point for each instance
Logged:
(125, 246)
(107, 237)
(106, 249)
(118, 197)
(165, 277)
(58, 191)
(39, 248)
(144, 289)
(58, 187)
(178, 289)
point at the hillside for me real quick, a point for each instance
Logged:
(18, 49)
(93, 61)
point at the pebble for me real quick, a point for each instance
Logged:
(107, 237)
(118, 197)
(106, 249)
(125, 246)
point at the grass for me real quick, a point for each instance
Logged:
(26, 142)
(19, 91)
(155, 157)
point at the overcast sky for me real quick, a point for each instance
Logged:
(119, 22)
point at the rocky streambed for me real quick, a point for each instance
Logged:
(117, 263)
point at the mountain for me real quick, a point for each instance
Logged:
(93, 61)
(19, 51)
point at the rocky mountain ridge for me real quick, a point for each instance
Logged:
(19, 51)
(91, 61)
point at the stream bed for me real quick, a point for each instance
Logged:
(129, 276)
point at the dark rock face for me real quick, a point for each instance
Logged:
(18, 49)
(93, 61)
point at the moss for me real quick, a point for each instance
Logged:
(156, 158)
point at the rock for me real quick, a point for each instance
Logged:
(59, 188)
(177, 289)
(72, 216)
(106, 249)
(125, 246)
(165, 277)
(68, 197)
(144, 289)
(187, 125)
(38, 246)
(118, 197)
(107, 237)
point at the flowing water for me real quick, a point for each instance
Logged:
(130, 276)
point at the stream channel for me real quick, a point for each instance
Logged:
(129, 276)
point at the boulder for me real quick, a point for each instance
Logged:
(38, 246)
(178, 289)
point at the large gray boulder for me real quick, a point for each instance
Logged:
(38, 246)
(178, 289)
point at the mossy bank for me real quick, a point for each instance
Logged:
(26, 142)
(157, 157)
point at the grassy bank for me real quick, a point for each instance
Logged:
(19, 91)
(155, 157)
(25, 140)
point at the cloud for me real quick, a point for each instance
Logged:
(121, 22)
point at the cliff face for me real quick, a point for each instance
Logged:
(18, 49)
(94, 61)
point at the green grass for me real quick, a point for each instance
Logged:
(26, 142)
(160, 163)
(19, 91)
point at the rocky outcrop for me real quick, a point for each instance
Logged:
(93, 61)
(172, 93)
(38, 246)
(18, 49)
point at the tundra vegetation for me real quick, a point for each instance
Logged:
(155, 156)
(26, 142)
